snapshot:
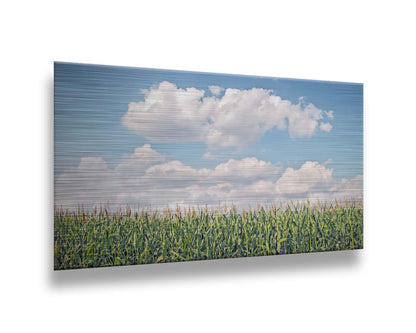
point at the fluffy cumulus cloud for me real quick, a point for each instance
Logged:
(230, 118)
(94, 183)
(209, 156)
(145, 178)
(139, 160)
(236, 171)
(330, 114)
(216, 90)
(88, 184)
(327, 127)
(301, 181)
(168, 113)
(349, 188)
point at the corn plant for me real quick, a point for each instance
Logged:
(101, 238)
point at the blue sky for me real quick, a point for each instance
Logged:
(91, 101)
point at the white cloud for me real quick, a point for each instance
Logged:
(329, 161)
(329, 114)
(144, 178)
(96, 163)
(139, 160)
(89, 184)
(247, 168)
(216, 90)
(303, 122)
(174, 170)
(263, 187)
(310, 176)
(237, 119)
(236, 171)
(349, 188)
(327, 127)
(168, 113)
(93, 182)
(209, 156)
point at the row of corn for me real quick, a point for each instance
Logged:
(104, 238)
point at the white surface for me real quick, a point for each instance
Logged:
(369, 290)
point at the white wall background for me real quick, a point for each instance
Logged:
(368, 290)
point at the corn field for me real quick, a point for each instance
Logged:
(103, 238)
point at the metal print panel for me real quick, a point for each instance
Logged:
(155, 166)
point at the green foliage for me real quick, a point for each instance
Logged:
(102, 238)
